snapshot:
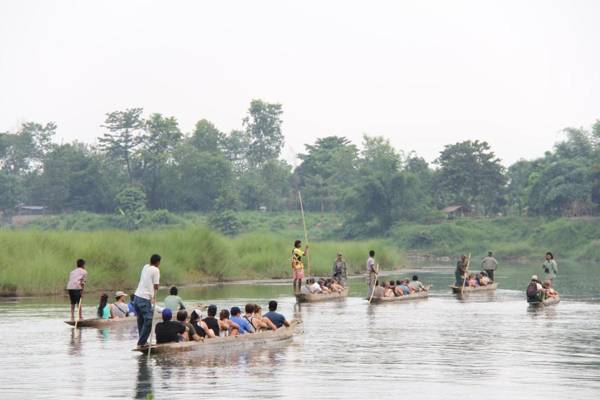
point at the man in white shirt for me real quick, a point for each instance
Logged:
(145, 292)
(371, 272)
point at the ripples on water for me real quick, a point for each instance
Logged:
(486, 346)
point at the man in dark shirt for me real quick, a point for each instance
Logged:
(168, 331)
(211, 321)
(277, 319)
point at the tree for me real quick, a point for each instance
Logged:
(24, 150)
(263, 127)
(158, 143)
(123, 136)
(471, 174)
(267, 186)
(206, 137)
(131, 204)
(236, 148)
(9, 192)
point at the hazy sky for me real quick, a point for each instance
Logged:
(423, 73)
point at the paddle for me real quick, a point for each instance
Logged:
(376, 276)
(466, 273)
(305, 233)
(152, 323)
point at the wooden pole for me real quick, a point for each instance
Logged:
(152, 324)
(305, 233)
(466, 273)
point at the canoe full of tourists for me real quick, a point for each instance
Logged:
(466, 281)
(320, 289)
(399, 290)
(541, 294)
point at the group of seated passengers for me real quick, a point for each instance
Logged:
(480, 279)
(328, 285)
(538, 291)
(398, 288)
(230, 323)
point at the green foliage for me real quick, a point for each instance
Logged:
(263, 129)
(9, 192)
(226, 222)
(131, 203)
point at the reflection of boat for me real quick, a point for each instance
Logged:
(460, 289)
(103, 323)
(412, 296)
(548, 302)
(314, 297)
(227, 342)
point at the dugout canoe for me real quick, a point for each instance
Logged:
(413, 296)
(548, 302)
(469, 289)
(242, 341)
(103, 323)
(315, 297)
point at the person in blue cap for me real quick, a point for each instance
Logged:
(245, 326)
(168, 331)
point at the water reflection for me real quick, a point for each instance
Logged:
(143, 382)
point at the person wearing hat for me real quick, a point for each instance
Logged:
(119, 309)
(535, 291)
(168, 331)
(489, 265)
(338, 271)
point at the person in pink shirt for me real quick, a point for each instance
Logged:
(75, 286)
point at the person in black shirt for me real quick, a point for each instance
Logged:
(211, 322)
(168, 331)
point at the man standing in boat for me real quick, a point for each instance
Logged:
(75, 286)
(298, 265)
(371, 272)
(550, 267)
(461, 270)
(338, 271)
(489, 265)
(144, 296)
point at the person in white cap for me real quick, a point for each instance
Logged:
(535, 291)
(119, 309)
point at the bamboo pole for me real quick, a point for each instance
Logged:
(305, 233)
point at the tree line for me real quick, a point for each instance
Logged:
(145, 162)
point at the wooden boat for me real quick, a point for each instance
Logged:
(220, 343)
(548, 302)
(103, 323)
(412, 296)
(314, 297)
(469, 289)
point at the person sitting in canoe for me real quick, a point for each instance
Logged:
(227, 326)
(191, 333)
(535, 291)
(103, 307)
(403, 286)
(387, 290)
(169, 331)
(379, 291)
(471, 281)
(334, 286)
(397, 289)
(483, 280)
(416, 284)
(549, 291)
(245, 326)
(311, 287)
(257, 320)
(323, 286)
(276, 318)
(173, 301)
(211, 320)
(130, 305)
(119, 309)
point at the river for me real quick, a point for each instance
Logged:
(488, 346)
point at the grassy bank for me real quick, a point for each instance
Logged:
(37, 262)
(509, 238)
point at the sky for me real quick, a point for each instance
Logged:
(422, 73)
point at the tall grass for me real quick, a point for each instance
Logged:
(38, 262)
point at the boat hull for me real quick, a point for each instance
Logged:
(548, 302)
(408, 297)
(316, 297)
(247, 340)
(103, 323)
(468, 289)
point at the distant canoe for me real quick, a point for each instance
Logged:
(314, 297)
(413, 296)
(227, 342)
(548, 302)
(103, 323)
(469, 289)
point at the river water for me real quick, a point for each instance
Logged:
(488, 346)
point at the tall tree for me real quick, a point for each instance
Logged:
(263, 127)
(24, 150)
(206, 137)
(123, 137)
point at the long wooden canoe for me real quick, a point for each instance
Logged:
(548, 302)
(220, 343)
(413, 296)
(469, 289)
(314, 297)
(103, 323)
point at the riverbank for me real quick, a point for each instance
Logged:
(37, 262)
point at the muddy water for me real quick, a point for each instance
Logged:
(483, 346)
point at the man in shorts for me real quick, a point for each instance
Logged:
(298, 265)
(75, 286)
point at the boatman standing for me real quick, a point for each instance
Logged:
(550, 267)
(461, 270)
(339, 270)
(145, 293)
(75, 286)
(298, 265)
(371, 272)
(489, 265)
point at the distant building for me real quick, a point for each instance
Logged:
(456, 211)
(23, 209)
